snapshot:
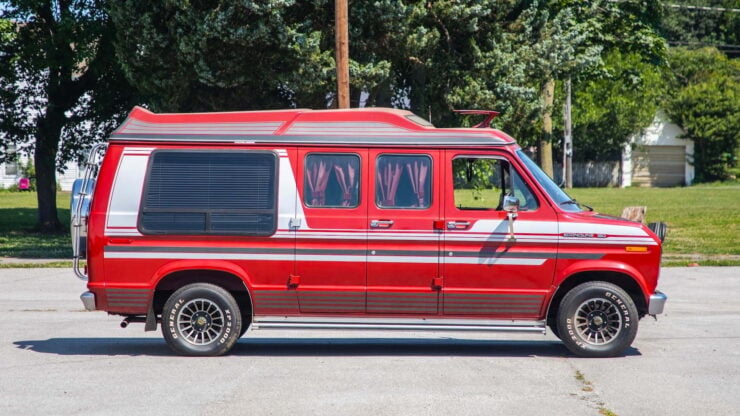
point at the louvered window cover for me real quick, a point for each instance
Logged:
(210, 192)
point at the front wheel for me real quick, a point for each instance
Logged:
(597, 319)
(201, 319)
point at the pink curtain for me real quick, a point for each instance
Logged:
(418, 175)
(347, 179)
(317, 176)
(388, 178)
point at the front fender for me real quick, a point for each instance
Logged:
(603, 266)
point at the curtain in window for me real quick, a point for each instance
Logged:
(388, 177)
(347, 179)
(418, 176)
(317, 176)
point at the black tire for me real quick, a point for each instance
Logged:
(554, 329)
(597, 319)
(201, 319)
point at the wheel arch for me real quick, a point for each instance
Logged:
(228, 277)
(619, 278)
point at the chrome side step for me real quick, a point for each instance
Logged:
(301, 322)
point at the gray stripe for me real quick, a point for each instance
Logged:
(128, 304)
(140, 123)
(123, 290)
(313, 302)
(352, 252)
(402, 308)
(490, 296)
(424, 140)
(492, 308)
(581, 256)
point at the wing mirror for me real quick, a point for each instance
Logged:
(511, 206)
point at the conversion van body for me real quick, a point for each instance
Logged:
(212, 224)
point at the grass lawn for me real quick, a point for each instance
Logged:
(17, 218)
(703, 221)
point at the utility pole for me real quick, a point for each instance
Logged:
(342, 56)
(567, 141)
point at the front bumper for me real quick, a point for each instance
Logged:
(657, 302)
(88, 299)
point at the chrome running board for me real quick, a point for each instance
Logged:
(320, 322)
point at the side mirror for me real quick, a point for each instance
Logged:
(511, 204)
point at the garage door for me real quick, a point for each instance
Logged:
(658, 165)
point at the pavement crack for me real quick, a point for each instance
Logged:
(588, 392)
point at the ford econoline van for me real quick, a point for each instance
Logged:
(210, 225)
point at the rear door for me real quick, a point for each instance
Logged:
(403, 247)
(487, 270)
(331, 245)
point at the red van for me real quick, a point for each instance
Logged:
(213, 224)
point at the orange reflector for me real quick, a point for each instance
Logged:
(636, 249)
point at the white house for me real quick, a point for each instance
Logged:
(658, 157)
(10, 172)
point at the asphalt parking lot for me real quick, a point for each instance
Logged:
(57, 359)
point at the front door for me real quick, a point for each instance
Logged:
(403, 246)
(487, 270)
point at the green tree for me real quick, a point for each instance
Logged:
(704, 99)
(610, 108)
(59, 86)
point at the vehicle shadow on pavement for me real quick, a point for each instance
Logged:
(312, 347)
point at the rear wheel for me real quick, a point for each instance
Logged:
(201, 319)
(597, 319)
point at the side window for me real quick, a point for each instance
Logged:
(331, 180)
(481, 183)
(403, 181)
(210, 192)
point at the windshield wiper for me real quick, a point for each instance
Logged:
(574, 202)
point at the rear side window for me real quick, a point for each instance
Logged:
(210, 192)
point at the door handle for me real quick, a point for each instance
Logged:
(381, 223)
(458, 225)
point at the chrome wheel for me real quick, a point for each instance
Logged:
(598, 321)
(200, 321)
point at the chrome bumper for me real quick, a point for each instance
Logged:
(657, 301)
(88, 299)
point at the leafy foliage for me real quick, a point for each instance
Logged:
(609, 109)
(59, 83)
(704, 99)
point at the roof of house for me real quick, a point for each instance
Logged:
(361, 126)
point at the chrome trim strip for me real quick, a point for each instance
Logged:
(300, 322)
(657, 302)
(88, 300)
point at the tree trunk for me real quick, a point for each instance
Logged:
(44, 159)
(545, 147)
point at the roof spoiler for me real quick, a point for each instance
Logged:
(486, 123)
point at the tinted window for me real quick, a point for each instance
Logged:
(331, 180)
(403, 181)
(210, 192)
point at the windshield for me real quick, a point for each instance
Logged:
(565, 202)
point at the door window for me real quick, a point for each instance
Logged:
(480, 183)
(403, 181)
(331, 181)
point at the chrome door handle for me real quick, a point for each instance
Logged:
(458, 225)
(381, 223)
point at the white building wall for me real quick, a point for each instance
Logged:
(71, 172)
